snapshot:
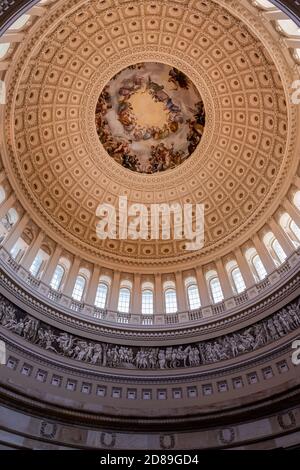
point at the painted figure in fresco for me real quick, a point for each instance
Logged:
(121, 133)
(179, 79)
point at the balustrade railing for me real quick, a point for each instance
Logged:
(33, 281)
(261, 286)
(241, 298)
(54, 295)
(99, 313)
(284, 268)
(57, 299)
(219, 308)
(195, 315)
(76, 306)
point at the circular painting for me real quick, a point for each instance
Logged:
(150, 118)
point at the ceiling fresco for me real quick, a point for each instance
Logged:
(150, 117)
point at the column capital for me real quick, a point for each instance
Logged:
(7, 204)
(291, 210)
(16, 232)
(2, 174)
(114, 291)
(93, 285)
(136, 294)
(32, 250)
(282, 237)
(158, 294)
(223, 278)
(52, 263)
(202, 287)
(71, 277)
(180, 290)
(264, 254)
(244, 268)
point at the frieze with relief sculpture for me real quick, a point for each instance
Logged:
(102, 354)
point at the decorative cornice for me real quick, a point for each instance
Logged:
(231, 346)
(264, 407)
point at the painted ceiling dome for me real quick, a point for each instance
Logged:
(235, 157)
(122, 341)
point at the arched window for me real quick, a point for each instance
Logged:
(14, 251)
(3, 49)
(79, 288)
(19, 23)
(290, 228)
(256, 264)
(278, 250)
(39, 262)
(238, 280)
(296, 200)
(259, 268)
(18, 250)
(147, 302)
(296, 54)
(36, 265)
(57, 277)
(12, 217)
(2, 194)
(289, 27)
(295, 229)
(171, 301)
(265, 4)
(275, 249)
(216, 290)
(2, 92)
(7, 222)
(101, 295)
(235, 277)
(124, 300)
(193, 296)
